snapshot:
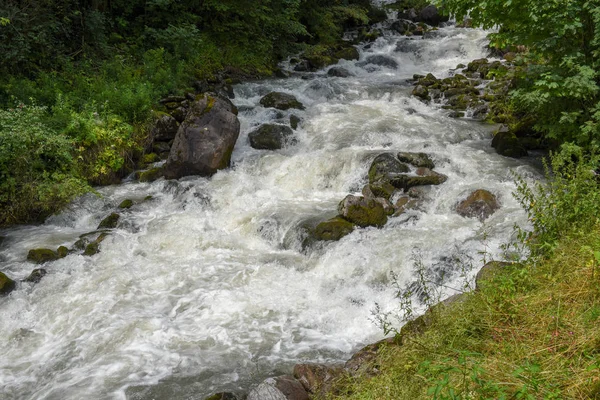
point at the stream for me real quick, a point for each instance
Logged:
(206, 287)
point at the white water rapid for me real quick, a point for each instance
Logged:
(205, 288)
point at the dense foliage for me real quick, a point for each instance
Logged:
(87, 74)
(560, 88)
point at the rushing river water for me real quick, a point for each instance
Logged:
(206, 288)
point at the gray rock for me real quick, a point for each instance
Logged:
(317, 378)
(480, 204)
(431, 16)
(271, 137)
(281, 101)
(205, 140)
(507, 144)
(165, 128)
(380, 60)
(362, 211)
(36, 275)
(416, 159)
(279, 388)
(339, 72)
(384, 167)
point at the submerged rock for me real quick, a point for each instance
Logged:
(271, 137)
(333, 229)
(294, 121)
(109, 222)
(384, 167)
(362, 211)
(7, 285)
(480, 204)
(36, 275)
(416, 159)
(281, 101)
(151, 174)
(40, 256)
(279, 388)
(205, 140)
(94, 247)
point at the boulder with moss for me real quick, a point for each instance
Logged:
(125, 204)
(279, 388)
(379, 189)
(109, 222)
(205, 140)
(222, 396)
(508, 144)
(423, 177)
(40, 256)
(281, 101)
(165, 127)
(36, 275)
(7, 285)
(384, 167)
(362, 211)
(416, 159)
(333, 229)
(317, 379)
(150, 175)
(480, 204)
(271, 137)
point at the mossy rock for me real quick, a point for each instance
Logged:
(475, 65)
(383, 190)
(125, 204)
(362, 211)
(294, 121)
(421, 92)
(281, 101)
(480, 204)
(94, 247)
(36, 275)
(151, 175)
(430, 81)
(150, 158)
(40, 256)
(62, 252)
(416, 159)
(348, 53)
(109, 222)
(406, 182)
(271, 137)
(507, 144)
(384, 167)
(222, 396)
(333, 229)
(488, 272)
(7, 285)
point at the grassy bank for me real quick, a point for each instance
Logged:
(530, 331)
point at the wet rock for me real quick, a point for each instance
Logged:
(380, 60)
(151, 174)
(388, 207)
(378, 190)
(424, 177)
(416, 159)
(40, 256)
(149, 158)
(410, 14)
(205, 140)
(317, 378)
(165, 128)
(271, 137)
(279, 388)
(127, 203)
(333, 229)
(362, 211)
(161, 148)
(507, 144)
(62, 252)
(222, 396)
(7, 285)
(347, 53)
(361, 363)
(172, 99)
(431, 16)
(403, 204)
(294, 121)
(421, 92)
(403, 27)
(36, 275)
(488, 272)
(94, 247)
(384, 167)
(281, 101)
(429, 81)
(109, 222)
(480, 204)
(179, 114)
(339, 72)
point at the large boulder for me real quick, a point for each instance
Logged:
(317, 378)
(271, 137)
(416, 159)
(222, 396)
(507, 144)
(431, 16)
(165, 128)
(383, 190)
(279, 388)
(381, 60)
(362, 211)
(281, 101)
(205, 140)
(7, 285)
(480, 204)
(40, 256)
(339, 72)
(333, 229)
(384, 167)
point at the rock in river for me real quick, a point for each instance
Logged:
(480, 204)
(271, 137)
(362, 211)
(281, 101)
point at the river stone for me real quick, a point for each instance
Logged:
(62, 252)
(127, 203)
(222, 396)
(317, 378)
(333, 229)
(279, 388)
(431, 16)
(7, 285)
(424, 177)
(165, 128)
(294, 121)
(416, 159)
(378, 190)
(94, 247)
(421, 92)
(507, 144)
(362, 211)
(388, 207)
(281, 101)
(150, 175)
(347, 53)
(362, 361)
(205, 140)
(384, 167)
(36, 275)
(480, 204)
(271, 137)
(405, 203)
(380, 60)
(40, 256)
(339, 72)
(109, 222)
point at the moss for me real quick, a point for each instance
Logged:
(151, 175)
(333, 229)
(62, 252)
(127, 203)
(7, 285)
(40, 256)
(150, 158)
(109, 222)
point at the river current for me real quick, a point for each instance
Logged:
(206, 287)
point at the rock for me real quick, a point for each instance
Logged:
(424, 176)
(347, 53)
(410, 14)
(388, 207)
(380, 60)
(162, 149)
(150, 158)
(62, 252)
(416, 159)
(316, 378)
(378, 190)
(94, 247)
(333, 229)
(271, 137)
(179, 114)
(384, 167)
(431, 16)
(404, 203)
(476, 65)
(279, 388)
(151, 174)
(488, 271)
(429, 80)
(281, 101)
(421, 92)
(165, 128)
(7, 285)
(222, 396)
(339, 72)
(362, 211)
(507, 144)
(362, 361)
(36, 275)
(402, 27)
(127, 203)
(109, 222)
(480, 204)
(205, 140)
(172, 99)
(294, 121)
(40, 256)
